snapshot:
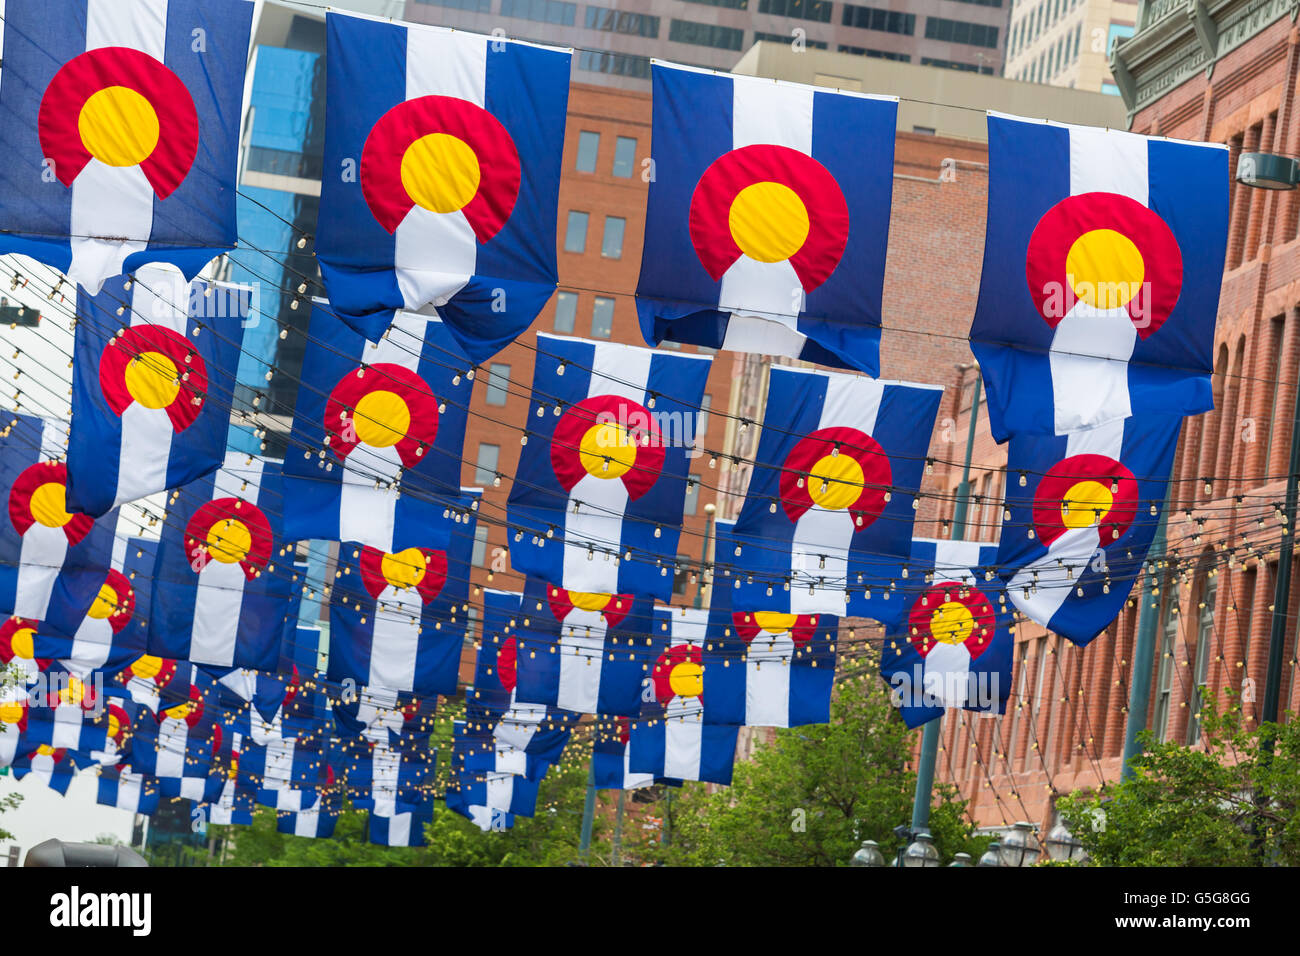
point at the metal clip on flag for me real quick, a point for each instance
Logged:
(443, 152)
(122, 125)
(1102, 266)
(763, 232)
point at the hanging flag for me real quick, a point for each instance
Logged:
(601, 485)
(124, 789)
(145, 678)
(672, 739)
(381, 426)
(389, 782)
(152, 385)
(68, 715)
(581, 652)
(483, 817)
(443, 152)
(114, 630)
(956, 647)
(382, 715)
(14, 707)
(45, 550)
(481, 786)
(610, 755)
(285, 773)
(316, 822)
(525, 737)
(121, 119)
(830, 502)
(763, 233)
(1084, 509)
(399, 829)
(235, 806)
(52, 766)
(182, 743)
(223, 579)
(398, 620)
(1102, 265)
(766, 668)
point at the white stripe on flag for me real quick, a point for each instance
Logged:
(399, 830)
(819, 553)
(40, 560)
(624, 371)
(947, 673)
(582, 650)
(956, 560)
(767, 680)
(90, 646)
(67, 727)
(114, 201)
(500, 788)
(1068, 555)
(435, 253)
(368, 514)
(128, 790)
(385, 771)
(634, 781)
(765, 298)
(395, 639)
(1091, 347)
(159, 296)
(173, 734)
(683, 738)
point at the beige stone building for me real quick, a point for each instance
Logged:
(1067, 42)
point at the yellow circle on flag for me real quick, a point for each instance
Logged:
(440, 172)
(11, 711)
(768, 221)
(951, 622)
(382, 418)
(50, 504)
(1105, 268)
(774, 622)
(147, 666)
(23, 643)
(1086, 503)
(589, 601)
(119, 126)
(607, 451)
(405, 569)
(229, 540)
(152, 380)
(105, 604)
(835, 482)
(687, 679)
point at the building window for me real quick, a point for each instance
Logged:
(618, 21)
(681, 574)
(788, 38)
(541, 11)
(876, 54)
(498, 383)
(575, 235)
(706, 34)
(614, 64)
(566, 312)
(602, 317)
(480, 547)
(624, 157)
(1275, 356)
(485, 468)
(588, 147)
(1204, 635)
(886, 21)
(954, 65)
(1165, 672)
(702, 418)
(731, 4)
(959, 31)
(611, 244)
(473, 6)
(693, 494)
(816, 10)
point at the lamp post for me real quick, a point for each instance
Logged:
(960, 859)
(991, 856)
(868, 855)
(1063, 846)
(709, 510)
(921, 851)
(1020, 846)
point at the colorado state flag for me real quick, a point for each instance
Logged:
(152, 386)
(442, 159)
(956, 647)
(597, 501)
(375, 418)
(121, 122)
(764, 233)
(830, 503)
(1102, 266)
(1083, 511)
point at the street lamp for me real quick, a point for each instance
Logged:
(709, 510)
(921, 851)
(960, 859)
(1267, 171)
(1062, 845)
(868, 855)
(991, 856)
(1020, 846)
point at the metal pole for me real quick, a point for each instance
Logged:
(588, 811)
(1282, 593)
(930, 736)
(1144, 649)
(704, 553)
(618, 832)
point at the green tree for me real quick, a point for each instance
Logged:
(9, 801)
(811, 796)
(1229, 804)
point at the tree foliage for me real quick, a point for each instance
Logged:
(1231, 803)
